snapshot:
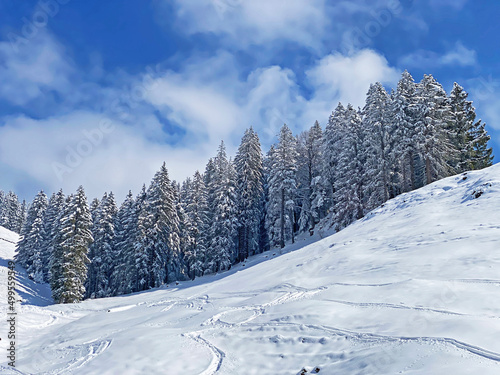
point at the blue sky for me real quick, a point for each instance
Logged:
(100, 93)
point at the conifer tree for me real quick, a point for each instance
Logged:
(433, 127)
(73, 241)
(249, 171)
(158, 240)
(403, 117)
(102, 252)
(123, 279)
(50, 223)
(331, 139)
(32, 238)
(196, 209)
(283, 184)
(222, 250)
(377, 146)
(348, 194)
(470, 136)
(310, 178)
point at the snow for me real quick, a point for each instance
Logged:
(412, 288)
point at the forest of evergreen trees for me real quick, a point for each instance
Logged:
(236, 208)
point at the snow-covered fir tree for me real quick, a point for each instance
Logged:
(50, 223)
(470, 137)
(158, 239)
(222, 249)
(434, 137)
(378, 143)
(197, 225)
(176, 267)
(482, 154)
(348, 195)
(102, 253)
(32, 239)
(403, 118)
(311, 189)
(331, 141)
(282, 187)
(70, 262)
(123, 279)
(250, 190)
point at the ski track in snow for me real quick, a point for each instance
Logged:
(405, 307)
(94, 349)
(260, 309)
(80, 354)
(362, 336)
(477, 281)
(217, 354)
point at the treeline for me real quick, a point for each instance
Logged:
(12, 211)
(236, 208)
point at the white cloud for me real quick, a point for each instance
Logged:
(458, 55)
(89, 149)
(256, 21)
(223, 105)
(348, 78)
(31, 68)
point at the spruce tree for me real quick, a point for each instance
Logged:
(72, 247)
(377, 146)
(102, 252)
(32, 239)
(158, 240)
(249, 171)
(331, 139)
(348, 194)
(197, 225)
(403, 117)
(310, 177)
(283, 185)
(222, 250)
(123, 278)
(50, 222)
(434, 140)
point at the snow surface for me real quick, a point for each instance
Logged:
(413, 288)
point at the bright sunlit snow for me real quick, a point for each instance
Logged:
(413, 288)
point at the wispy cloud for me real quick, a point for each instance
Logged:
(258, 21)
(459, 55)
(31, 70)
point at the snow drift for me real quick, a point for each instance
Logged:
(414, 287)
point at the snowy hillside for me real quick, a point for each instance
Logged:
(413, 288)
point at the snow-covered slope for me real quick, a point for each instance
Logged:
(413, 288)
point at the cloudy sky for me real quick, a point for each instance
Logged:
(100, 93)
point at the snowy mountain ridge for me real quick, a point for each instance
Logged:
(413, 288)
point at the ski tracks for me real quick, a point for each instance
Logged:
(372, 337)
(256, 310)
(82, 354)
(217, 354)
